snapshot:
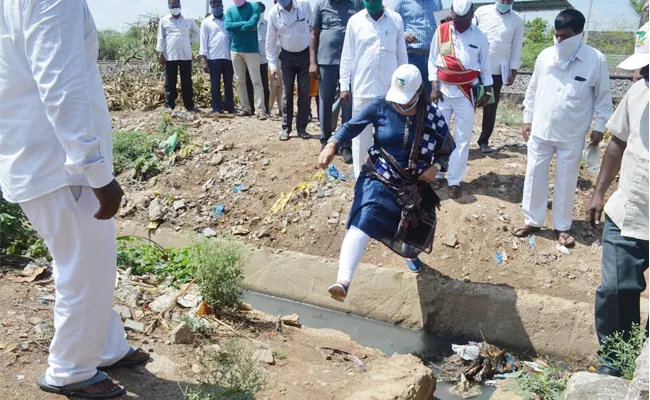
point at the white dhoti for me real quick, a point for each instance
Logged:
(535, 198)
(88, 333)
(361, 143)
(463, 112)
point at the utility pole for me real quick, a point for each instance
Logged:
(591, 3)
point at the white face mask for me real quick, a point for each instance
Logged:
(566, 50)
(175, 11)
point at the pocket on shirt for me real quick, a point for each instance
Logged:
(389, 41)
(577, 88)
(331, 20)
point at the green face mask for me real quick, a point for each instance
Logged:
(373, 7)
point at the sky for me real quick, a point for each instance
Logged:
(117, 14)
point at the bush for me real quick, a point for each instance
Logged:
(16, 234)
(173, 265)
(232, 374)
(218, 265)
(538, 36)
(547, 385)
(621, 350)
(135, 150)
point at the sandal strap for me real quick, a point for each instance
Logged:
(99, 377)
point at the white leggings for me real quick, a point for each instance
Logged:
(352, 249)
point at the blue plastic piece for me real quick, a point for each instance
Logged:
(219, 210)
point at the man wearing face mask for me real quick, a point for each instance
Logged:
(175, 37)
(505, 31)
(215, 53)
(374, 47)
(289, 27)
(242, 20)
(568, 91)
(264, 63)
(459, 57)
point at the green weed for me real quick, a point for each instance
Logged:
(621, 350)
(547, 385)
(509, 115)
(232, 374)
(135, 150)
(218, 266)
(17, 235)
(173, 265)
(279, 355)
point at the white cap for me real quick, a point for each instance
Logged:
(461, 7)
(405, 82)
(641, 57)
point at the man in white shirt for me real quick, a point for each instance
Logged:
(458, 57)
(56, 162)
(373, 48)
(625, 234)
(215, 53)
(504, 29)
(262, 27)
(289, 27)
(568, 90)
(175, 37)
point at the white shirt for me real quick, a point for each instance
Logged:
(55, 129)
(561, 103)
(262, 28)
(215, 39)
(289, 28)
(471, 48)
(175, 37)
(628, 206)
(372, 51)
(505, 32)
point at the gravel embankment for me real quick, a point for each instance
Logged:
(618, 86)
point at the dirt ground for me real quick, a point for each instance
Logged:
(301, 372)
(249, 153)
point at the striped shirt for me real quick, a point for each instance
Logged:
(419, 20)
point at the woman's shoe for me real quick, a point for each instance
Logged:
(414, 265)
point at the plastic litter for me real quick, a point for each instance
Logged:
(239, 188)
(169, 145)
(591, 155)
(491, 382)
(531, 242)
(507, 375)
(334, 172)
(466, 352)
(499, 258)
(219, 209)
(206, 148)
(562, 249)
(537, 367)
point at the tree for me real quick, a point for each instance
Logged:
(637, 6)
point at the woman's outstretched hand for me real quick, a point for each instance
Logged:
(326, 156)
(429, 174)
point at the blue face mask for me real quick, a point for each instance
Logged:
(217, 11)
(503, 8)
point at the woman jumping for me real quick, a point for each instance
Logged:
(393, 199)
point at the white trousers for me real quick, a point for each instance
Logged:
(361, 143)
(535, 198)
(88, 333)
(463, 112)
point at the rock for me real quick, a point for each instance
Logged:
(128, 295)
(138, 315)
(505, 391)
(451, 240)
(266, 162)
(638, 389)
(291, 320)
(501, 204)
(216, 159)
(264, 356)
(182, 334)
(161, 303)
(156, 210)
(326, 354)
(587, 385)
(123, 311)
(130, 324)
(179, 205)
(209, 232)
(240, 231)
(562, 249)
(35, 320)
(43, 329)
(397, 377)
(502, 189)
(162, 366)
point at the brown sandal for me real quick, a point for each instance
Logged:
(523, 231)
(564, 238)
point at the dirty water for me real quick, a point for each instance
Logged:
(390, 339)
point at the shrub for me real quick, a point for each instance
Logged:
(17, 235)
(232, 374)
(218, 265)
(135, 150)
(547, 385)
(173, 265)
(621, 350)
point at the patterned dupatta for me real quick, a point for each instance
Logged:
(431, 143)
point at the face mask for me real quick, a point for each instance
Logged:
(409, 108)
(462, 25)
(217, 11)
(503, 8)
(373, 7)
(239, 3)
(175, 11)
(566, 50)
